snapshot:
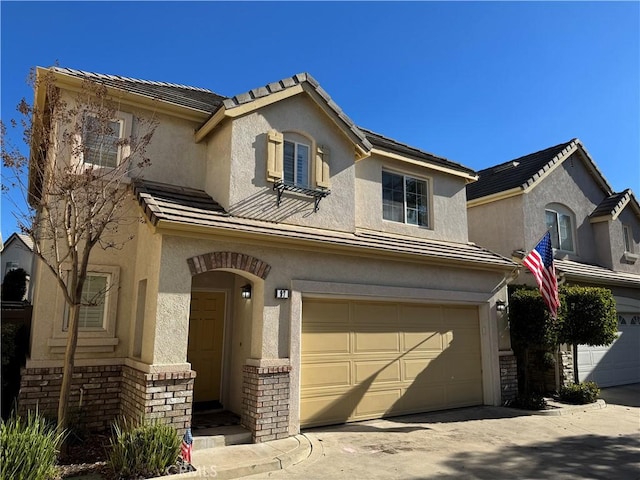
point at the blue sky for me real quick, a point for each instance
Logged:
(479, 83)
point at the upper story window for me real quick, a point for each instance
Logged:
(405, 199)
(103, 140)
(296, 163)
(560, 224)
(627, 235)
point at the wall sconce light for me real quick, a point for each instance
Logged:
(501, 306)
(246, 291)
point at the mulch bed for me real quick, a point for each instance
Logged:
(86, 456)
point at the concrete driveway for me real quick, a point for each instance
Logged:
(482, 443)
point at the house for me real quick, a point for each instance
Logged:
(595, 234)
(17, 252)
(291, 267)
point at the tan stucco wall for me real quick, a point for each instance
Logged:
(252, 196)
(218, 164)
(498, 226)
(447, 200)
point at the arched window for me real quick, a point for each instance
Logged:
(561, 224)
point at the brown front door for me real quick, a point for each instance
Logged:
(204, 352)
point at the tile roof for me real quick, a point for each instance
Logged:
(389, 144)
(169, 203)
(521, 172)
(594, 274)
(289, 82)
(612, 204)
(183, 95)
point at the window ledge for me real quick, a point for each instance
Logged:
(85, 345)
(631, 257)
(318, 194)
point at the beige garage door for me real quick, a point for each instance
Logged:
(365, 360)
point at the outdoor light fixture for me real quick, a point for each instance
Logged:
(501, 306)
(246, 291)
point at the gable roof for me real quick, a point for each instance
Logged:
(521, 174)
(20, 237)
(219, 106)
(183, 95)
(180, 208)
(613, 205)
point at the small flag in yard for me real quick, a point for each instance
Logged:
(540, 262)
(187, 443)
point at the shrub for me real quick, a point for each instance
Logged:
(14, 285)
(580, 393)
(533, 401)
(29, 448)
(143, 448)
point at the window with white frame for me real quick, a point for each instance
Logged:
(95, 303)
(561, 226)
(627, 235)
(296, 159)
(405, 199)
(102, 140)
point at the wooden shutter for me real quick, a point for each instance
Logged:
(274, 155)
(322, 167)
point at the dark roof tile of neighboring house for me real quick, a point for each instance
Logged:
(181, 205)
(520, 172)
(389, 144)
(183, 95)
(586, 272)
(612, 204)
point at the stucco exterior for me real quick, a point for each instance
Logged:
(178, 250)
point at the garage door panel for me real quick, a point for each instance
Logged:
(368, 314)
(376, 342)
(417, 370)
(421, 315)
(318, 312)
(423, 341)
(326, 374)
(404, 358)
(379, 371)
(417, 398)
(377, 403)
(323, 342)
(464, 394)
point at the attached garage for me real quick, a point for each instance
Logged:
(363, 360)
(618, 363)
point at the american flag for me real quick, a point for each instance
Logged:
(187, 443)
(540, 262)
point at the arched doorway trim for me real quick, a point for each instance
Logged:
(228, 260)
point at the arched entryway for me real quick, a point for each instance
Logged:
(220, 325)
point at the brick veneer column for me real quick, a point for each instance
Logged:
(508, 377)
(94, 400)
(166, 396)
(265, 409)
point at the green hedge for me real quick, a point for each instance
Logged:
(580, 393)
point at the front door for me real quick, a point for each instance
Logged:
(204, 352)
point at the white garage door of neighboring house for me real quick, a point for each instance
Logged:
(363, 360)
(617, 364)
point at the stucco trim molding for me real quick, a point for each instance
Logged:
(228, 260)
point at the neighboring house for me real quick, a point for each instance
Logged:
(595, 233)
(17, 252)
(293, 268)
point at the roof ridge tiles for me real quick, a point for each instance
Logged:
(85, 73)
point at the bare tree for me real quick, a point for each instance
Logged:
(77, 195)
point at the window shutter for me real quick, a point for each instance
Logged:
(274, 155)
(322, 167)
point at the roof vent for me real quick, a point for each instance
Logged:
(505, 166)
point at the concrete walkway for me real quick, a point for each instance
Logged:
(592, 441)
